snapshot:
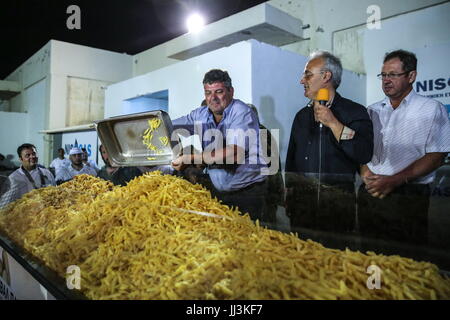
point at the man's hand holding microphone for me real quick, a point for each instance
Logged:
(324, 115)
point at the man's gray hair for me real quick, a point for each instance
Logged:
(331, 63)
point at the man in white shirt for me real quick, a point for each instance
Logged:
(87, 162)
(61, 161)
(76, 167)
(29, 176)
(411, 141)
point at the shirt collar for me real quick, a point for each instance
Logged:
(409, 97)
(406, 100)
(23, 169)
(225, 112)
(335, 99)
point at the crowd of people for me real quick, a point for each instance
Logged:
(394, 145)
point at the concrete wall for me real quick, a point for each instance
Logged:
(35, 100)
(81, 62)
(276, 89)
(426, 29)
(29, 110)
(152, 59)
(24, 127)
(332, 24)
(10, 141)
(36, 68)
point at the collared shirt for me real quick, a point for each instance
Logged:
(57, 162)
(92, 164)
(239, 126)
(419, 125)
(20, 184)
(67, 173)
(309, 145)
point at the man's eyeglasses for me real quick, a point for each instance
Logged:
(308, 74)
(390, 75)
(29, 155)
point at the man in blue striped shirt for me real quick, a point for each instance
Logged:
(229, 132)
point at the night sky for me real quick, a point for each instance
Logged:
(129, 26)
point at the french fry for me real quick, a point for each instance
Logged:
(134, 242)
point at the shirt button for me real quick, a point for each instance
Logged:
(306, 158)
(309, 142)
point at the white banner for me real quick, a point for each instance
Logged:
(6, 293)
(83, 139)
(17, 283)
(433, 74)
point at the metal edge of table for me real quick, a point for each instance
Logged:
(37, 269)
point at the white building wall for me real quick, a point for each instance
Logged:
(332, 24)
(81, 62)
(30, 72)
(152, 59)
(35, 100)
(9, 141)
(184, 81)
(29, 108)
(43, 99)
(23, 127)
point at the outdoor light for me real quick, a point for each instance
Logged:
(195, 23)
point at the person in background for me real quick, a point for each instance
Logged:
(117, 175)
(29, 176)
(233, 165)
(412, 139)
(76, 167)
(87, 162)
(328, 143)
(6, 163)
(60, 161)
(2, 166)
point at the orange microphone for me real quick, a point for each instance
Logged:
(323, 96)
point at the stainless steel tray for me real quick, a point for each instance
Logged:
(123, 137)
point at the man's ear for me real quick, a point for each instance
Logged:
(327, 75)
(412, 76)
